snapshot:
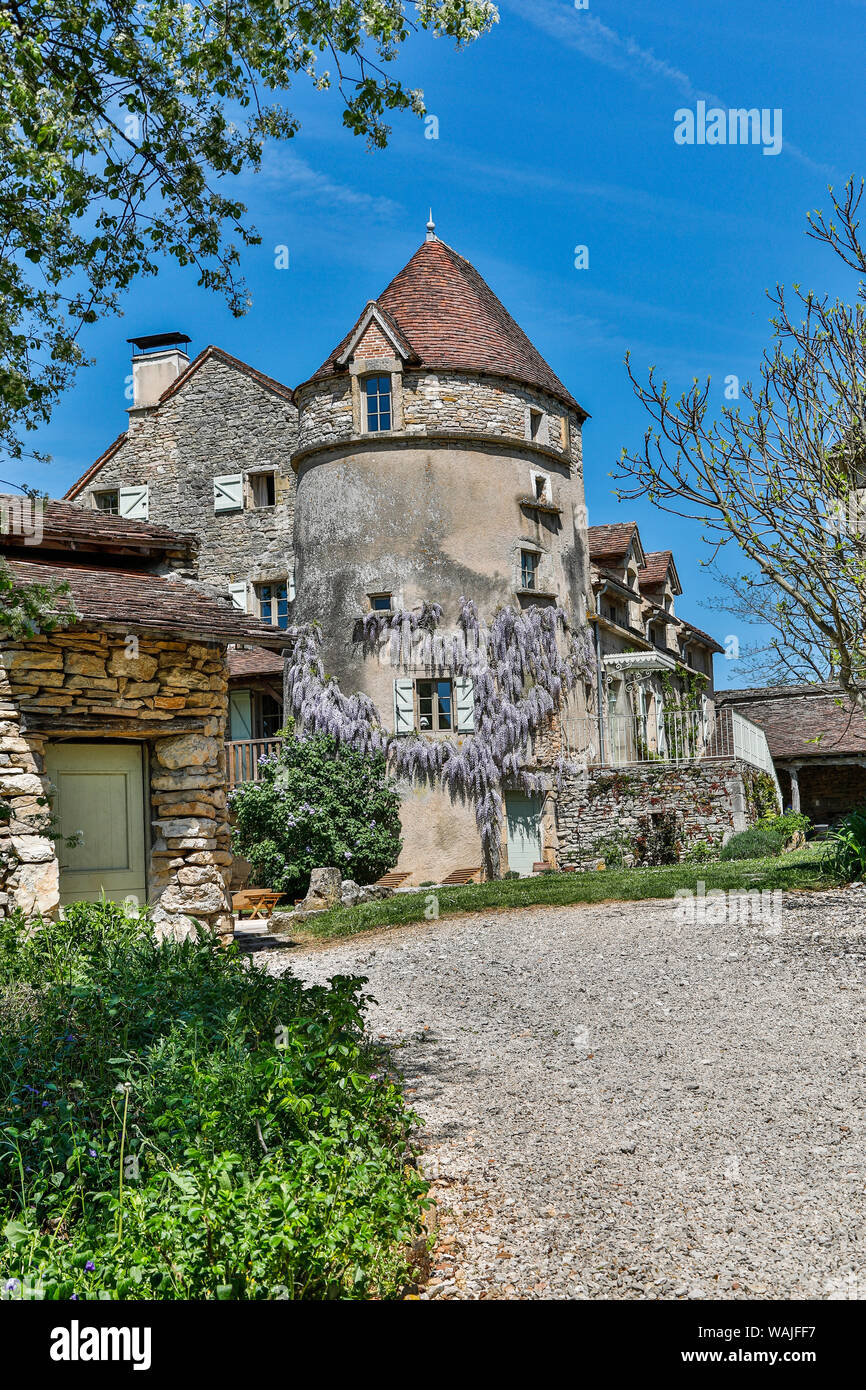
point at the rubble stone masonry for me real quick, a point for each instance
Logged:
(169, 696)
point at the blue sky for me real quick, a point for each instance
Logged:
(555, 130)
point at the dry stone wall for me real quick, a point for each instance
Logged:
(617, 805)
(170, 696)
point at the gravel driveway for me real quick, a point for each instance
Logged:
(617, 1104)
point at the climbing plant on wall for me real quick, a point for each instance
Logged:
(522, 665)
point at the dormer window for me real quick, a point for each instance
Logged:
(377, 403)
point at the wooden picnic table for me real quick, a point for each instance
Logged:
(259, 902)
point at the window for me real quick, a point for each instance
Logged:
(269, 716)
(107, 502)
(528, 569)
(615, 614)
(434, 706)
(273, 604)
(657, 637)
(536, 423)
(435, 700)
(263, 490)
(380, 603)
(541, 487)
(377, 391)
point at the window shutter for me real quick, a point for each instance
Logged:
(404, 705)
(133, 502)
(290, 585)
(239, 595)
(464, 701)
(228, 493)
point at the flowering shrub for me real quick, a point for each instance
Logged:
(176, 1123)
(522, 666)
(317, 803)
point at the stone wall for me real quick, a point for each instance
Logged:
(170, 696)
(444, 402)
(708, 800)
(220, 421)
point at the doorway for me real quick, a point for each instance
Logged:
(99, 800)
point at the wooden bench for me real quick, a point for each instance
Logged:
(392, 880)
(259, 902)
(460, 876)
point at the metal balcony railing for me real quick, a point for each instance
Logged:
(671, 736)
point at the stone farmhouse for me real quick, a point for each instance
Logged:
(818, 742)
(112, 728)
(434, 454)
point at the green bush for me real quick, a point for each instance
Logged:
(177, 1123)
(753, 844)
(849, 846)
(787, 826)
(317, 804)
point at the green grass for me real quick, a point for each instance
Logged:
(803, 869)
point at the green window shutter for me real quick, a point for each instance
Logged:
(464, 701)
(132, 502)
(228, 493)
(404, 705)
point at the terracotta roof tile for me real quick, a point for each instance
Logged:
(453, 321)
(801, 721)
(254, 661)
(612, 541)
(65, 526)
(140, 601)
(658, 562)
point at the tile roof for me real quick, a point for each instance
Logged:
(137, 600)
(801, 721)
(451, 319)
(254, 661)
(67, 527)
(610, 542)
(657, 564)
(701, 635)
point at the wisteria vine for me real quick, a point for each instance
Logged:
(522, 666)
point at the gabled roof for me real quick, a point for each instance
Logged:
(801, 721)
(612, 542)
(657, 565)
(208, 354)
(451, 319)
(374, 313)
(696, 634)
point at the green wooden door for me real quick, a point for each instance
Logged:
(523, 830)
(99, 798)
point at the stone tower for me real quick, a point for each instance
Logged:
(438, 456)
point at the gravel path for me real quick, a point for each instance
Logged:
(618, 1104)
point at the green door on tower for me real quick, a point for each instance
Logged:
(523, 831)
(100, 799)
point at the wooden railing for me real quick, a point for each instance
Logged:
(243, 756)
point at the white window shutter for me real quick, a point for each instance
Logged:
(290, 585)
(133, 502)
(239, 595)
(404, 705)
(464, 701)
(228, 493)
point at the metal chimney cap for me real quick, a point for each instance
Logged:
(159, 340)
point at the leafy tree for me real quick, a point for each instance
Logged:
(119, 122)
(785, 478)
(27, 609)
(318, 803)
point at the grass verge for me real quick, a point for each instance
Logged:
(802, 869)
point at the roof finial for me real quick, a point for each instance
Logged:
(431, 228)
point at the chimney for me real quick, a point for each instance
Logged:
(157, 361)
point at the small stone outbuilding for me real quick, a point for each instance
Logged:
(112, 728)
